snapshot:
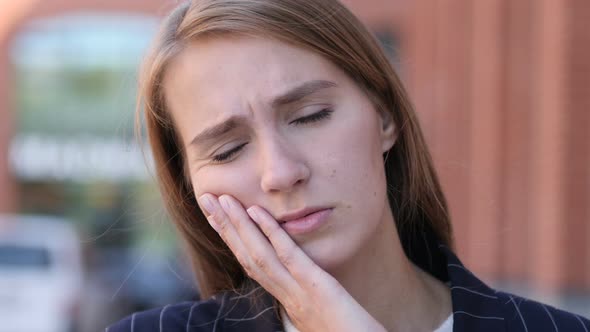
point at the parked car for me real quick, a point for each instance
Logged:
(41, 274)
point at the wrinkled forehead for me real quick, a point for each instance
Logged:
(232, 70)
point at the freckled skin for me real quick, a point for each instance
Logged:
(284, 167)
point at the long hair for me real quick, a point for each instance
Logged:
(329, 29)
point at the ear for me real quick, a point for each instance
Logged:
(389, 131)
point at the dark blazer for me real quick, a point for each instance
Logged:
(476, 307)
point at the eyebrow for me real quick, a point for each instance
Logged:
(220, 129)
(301, 91)
(290, 97)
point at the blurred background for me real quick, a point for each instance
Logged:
(502, 89)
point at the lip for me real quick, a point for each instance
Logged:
(306, 223)
(299, 214)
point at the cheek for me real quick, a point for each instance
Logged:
(219, 180)
(360, 176)
(360, 150)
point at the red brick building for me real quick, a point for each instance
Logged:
(503, 92)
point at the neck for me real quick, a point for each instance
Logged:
(391, 288)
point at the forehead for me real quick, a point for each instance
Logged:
(231, 69)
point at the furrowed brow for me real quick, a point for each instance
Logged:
(219, 129)
(301, 92)
(289, 97)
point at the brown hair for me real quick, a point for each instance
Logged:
(329, 29)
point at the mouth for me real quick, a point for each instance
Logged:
(300, 214)
(305, 221)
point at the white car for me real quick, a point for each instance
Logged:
(41, 274)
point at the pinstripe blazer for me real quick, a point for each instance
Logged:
(476, 307)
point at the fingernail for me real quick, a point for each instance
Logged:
(213, 224)
(252, 213)
(207, 203)
(225, 203)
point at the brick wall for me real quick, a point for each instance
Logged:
(503, 92)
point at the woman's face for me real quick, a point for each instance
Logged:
(281, 127)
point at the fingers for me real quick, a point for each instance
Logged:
(222, 226)
(300, 266)
(260, 250)
(248, 244)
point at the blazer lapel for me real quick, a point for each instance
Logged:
(476, 307)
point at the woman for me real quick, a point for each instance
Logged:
(293, 165)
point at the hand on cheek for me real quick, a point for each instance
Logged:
(312, 298)
(251, 248)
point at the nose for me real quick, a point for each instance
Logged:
(283, 168)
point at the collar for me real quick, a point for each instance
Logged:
(476, 306)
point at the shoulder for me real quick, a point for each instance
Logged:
(478, 307)
(185, 316)
(227, 311)
(522, 314)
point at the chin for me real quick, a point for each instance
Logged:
(328, 253)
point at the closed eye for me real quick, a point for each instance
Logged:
(315, 117)
(224, 156)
